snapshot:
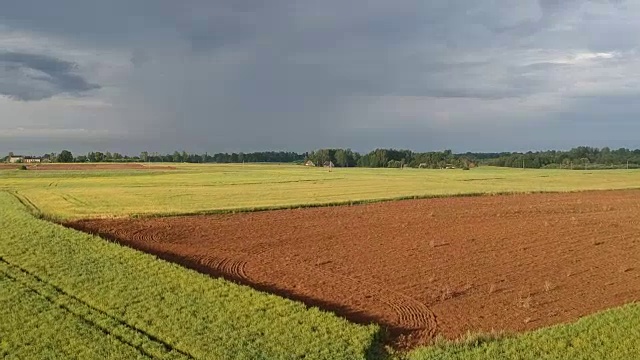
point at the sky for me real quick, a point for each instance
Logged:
(242, 75)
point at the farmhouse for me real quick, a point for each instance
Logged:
(24, 159)
(309, 163)
(32, 159)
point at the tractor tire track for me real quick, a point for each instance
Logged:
(226, 266)
(146, 343)
(412, 316)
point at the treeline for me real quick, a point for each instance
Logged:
(66, 156)
(225, 158)
(389, 158)
(582, 157)
(577, 158)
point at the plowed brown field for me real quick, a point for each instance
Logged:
(421, 267)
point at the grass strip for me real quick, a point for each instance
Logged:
(612, 334)
(33, 327)
(189, 312)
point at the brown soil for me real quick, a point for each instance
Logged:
(421, 267)
(104, 166)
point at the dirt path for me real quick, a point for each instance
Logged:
(421, 267)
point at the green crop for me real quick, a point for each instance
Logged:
(613, 334)
(144, 306)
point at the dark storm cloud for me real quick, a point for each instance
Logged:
(35, 77)
(249, 75)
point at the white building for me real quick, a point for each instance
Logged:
(24, 159)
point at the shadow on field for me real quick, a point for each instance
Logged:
(389, 335)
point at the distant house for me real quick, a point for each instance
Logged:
(24, 159)
(32, 159)
(309, 163)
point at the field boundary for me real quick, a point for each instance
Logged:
(222, 245)
(147, 344)
(341, 203)
(219, 270)
(28, 204)
(232, 332)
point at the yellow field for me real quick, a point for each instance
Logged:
(210, 188)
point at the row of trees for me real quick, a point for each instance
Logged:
(389, 158)
(263, 156)
(576, 158)
(580, 157)
(66, 156)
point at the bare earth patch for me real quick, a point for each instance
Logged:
(420, 267)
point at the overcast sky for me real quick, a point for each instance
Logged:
(243, 75)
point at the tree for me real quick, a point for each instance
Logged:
(394, 164)
(585, 161)
(99, 156)
(341, 158)
(323, 156)
(65, 156)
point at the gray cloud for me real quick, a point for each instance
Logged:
(249, 75)
(139, 57)
(28, 77)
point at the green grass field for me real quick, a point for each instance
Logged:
(209, 188)
(613, 334)
(65, 294)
